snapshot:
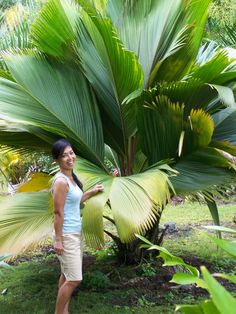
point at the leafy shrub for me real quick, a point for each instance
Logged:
(147, 270)
(95, 280)
(222, 301)
(103, 253)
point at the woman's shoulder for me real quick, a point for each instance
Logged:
(60, 179)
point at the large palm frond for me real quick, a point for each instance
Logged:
(170, 127)
(153, 29)
(25, 220)
(83, 84)
(134, 200)
(54, 29)
(113, 71)
(46, 98)
(203, 170)
(194, 17)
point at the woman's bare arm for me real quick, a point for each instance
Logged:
(96, 189)
(60, 189)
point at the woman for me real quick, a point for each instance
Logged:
(67, 196)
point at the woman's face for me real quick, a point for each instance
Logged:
(67, 159)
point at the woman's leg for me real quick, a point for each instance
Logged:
(62, 279)
(64, 295)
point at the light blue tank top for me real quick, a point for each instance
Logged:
(72, 220)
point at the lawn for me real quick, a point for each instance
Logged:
(112, 288)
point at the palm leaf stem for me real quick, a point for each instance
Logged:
(114, 237)
(110, 219)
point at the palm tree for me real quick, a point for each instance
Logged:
(120, 80)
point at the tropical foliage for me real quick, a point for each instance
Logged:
(221, 301)
(120, 79)
(221, 22)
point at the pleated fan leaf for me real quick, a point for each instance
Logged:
(54, 28)
(134, 200)
(56, 92)
(113, 71)
(25, 221)
(198, 130)
(37, 182)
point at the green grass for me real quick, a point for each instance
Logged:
(195, 213)
(32, 286)
(192, 238)
(32, 289)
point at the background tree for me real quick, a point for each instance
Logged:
(222, 22)
(122, 85)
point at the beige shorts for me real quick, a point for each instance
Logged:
(71, 258)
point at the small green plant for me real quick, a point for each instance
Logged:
(147, 270)
(142, 301)
(95, 280)
(103, 253)
(222, 301)
(169, 297)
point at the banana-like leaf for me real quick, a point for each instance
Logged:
(227, 246)
(208, 307)
(56, 102)
(188, 279)
(54, 29)
(25, 221)
(225, 276)
(170, 259)
(205, 307)
(154, 26)
(222, 299)
(106, 63)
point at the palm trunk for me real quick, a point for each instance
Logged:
(131, 253)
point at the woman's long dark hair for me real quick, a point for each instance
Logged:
(57, 150)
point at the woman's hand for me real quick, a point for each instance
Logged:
(58, 247)
(97, 188)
